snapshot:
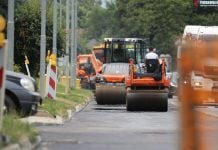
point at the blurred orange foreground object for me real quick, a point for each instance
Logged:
(198, 66)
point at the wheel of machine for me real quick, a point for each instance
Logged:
(147, 102)
(170, 95)
(84, 83)
(10, 105)
(111, 96)
(99, 97)
(129, 105)
(164, 105)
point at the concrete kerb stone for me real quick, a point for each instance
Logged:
(78, 108)
(57, 120)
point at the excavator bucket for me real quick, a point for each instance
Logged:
(147, 101)
(110, 95)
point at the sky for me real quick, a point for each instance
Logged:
(103, 3)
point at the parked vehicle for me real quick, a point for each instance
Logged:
(21, 94)
(173, 84)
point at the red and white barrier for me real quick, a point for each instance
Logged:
(1, 76)
(51, 81)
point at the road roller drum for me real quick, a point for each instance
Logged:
(147, 101)
(110, 95)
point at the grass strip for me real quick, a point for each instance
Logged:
(16, 130)
(65, 101)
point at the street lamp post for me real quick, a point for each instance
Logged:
(10, 35)
(60, 13)
(73, 43)
(42, 48)
(54, 49)
(67, 44)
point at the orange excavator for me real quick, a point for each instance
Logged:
(85, 71)
(88, 65)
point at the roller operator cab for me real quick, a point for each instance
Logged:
(110, 82)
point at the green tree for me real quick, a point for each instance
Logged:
(27, 34)
(160, 20)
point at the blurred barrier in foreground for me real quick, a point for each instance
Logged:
(198, 67)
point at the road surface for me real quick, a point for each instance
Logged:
(99, 127)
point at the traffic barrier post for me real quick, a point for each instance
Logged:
(51, 78)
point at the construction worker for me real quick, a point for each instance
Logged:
(151, 54)
(151, 61)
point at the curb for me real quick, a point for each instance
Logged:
(27, 145)
(78, 108)
(58, 120)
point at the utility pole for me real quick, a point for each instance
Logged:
(73, 43)
(3, 61)
(67, 44)
(54, 49)
(60, 14)
(42, 48)
(10, 35)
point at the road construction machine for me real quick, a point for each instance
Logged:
(110, 82)
(85, 71)
(87, 67)
(147, 90)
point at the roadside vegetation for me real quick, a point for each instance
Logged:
(160, 21)
(16, 131)
(65, 101)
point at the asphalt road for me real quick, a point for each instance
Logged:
(99, 127)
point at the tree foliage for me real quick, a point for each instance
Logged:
(28, 31)
(160, 20)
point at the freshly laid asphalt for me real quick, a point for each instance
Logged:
(111, 127)
(106, 127)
